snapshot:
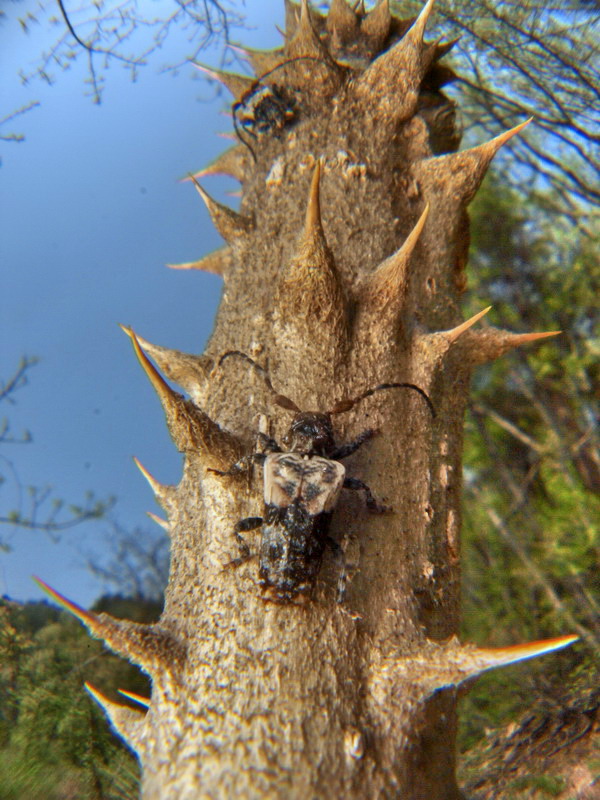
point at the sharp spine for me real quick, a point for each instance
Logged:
(228, 222)
(217, 262)
(129, 723)
(389, 281)
(454, 333)
(238, 85)
(493, 343)
(137, 698)
(159, 521)
(144, 645)
(165, 495)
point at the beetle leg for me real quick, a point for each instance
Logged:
(243, 465)
(248, 524)
(372, 504)
(268, 443)
(345, 450)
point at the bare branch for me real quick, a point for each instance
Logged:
(538, 60)
(52, 522)
(33, 513)
(103, 30)
(138, 564)
(16, 137)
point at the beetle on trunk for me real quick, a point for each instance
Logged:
(302, 484)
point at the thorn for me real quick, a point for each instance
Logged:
(232, 162)
(306, 42)
(404, 64)
(191, 429)
(162, 388)
(453, 334)
(291, 19)
(491, 343)
(342, 19)
(376, 25)
(217, 262)
(389, 281)
(461, 173)
(305, 14)
(263, 61)
(159, 521)
(518, 339)
(237, 48)
(228, 223)
(238, 85)
(417, 29)
(104, 701)
(313, 227)
(462, 662)
(443, 48)
(309, 301)
(164, 494)
(188, 371)
(137, 698)
(128, 722)
(489, 149)
(185, 421)
(144, 645)
(84, 616)
(501, 656)
(440, 666)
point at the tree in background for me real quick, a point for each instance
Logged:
(531, 509)
(123, 34)
(53, 743)
(533, 470)
(539, 59)
(115, 33)
(137, 564)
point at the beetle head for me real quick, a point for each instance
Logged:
(310, 433)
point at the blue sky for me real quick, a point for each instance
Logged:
(92, 210)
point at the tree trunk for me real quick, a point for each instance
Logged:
(343, 270)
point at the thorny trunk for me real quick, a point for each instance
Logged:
(343, 270)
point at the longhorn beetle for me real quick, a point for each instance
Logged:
(302, 484)
(263, 108)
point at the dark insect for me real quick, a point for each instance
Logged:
(302, 484)
(265, 108)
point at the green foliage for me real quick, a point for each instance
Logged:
(545, 784)
(54, 741)
(532, 469)
(540, 752)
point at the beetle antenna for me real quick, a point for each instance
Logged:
(238, 131)
(280, 399)
(346, 405)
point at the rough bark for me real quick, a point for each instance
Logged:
(343, 270)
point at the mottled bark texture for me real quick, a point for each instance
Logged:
(342, 270)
